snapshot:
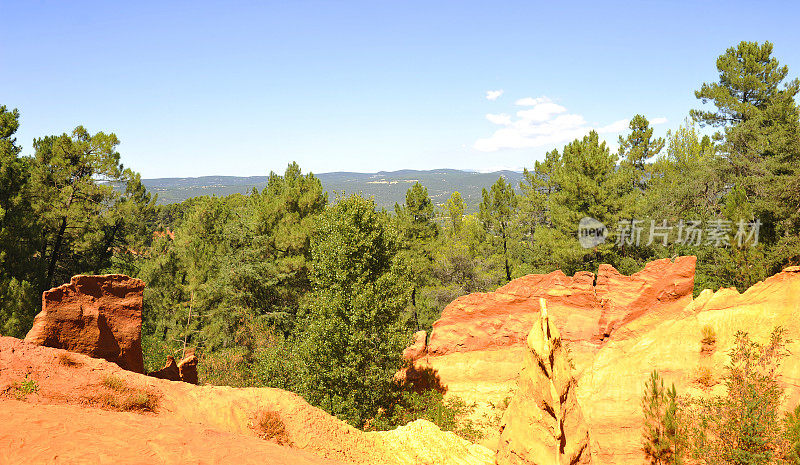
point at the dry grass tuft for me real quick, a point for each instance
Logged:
(705, 377)
(124, 398)
(269, 426)
(709, 336)
(114, 383)
(68, 360)
(139, 401)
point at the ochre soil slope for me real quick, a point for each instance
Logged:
(67, 421)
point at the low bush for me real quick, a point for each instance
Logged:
(269, 426)
(448, 414)
(709, 335)
(705, 377)
(23, 388)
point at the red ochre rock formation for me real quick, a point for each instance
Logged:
(611, 387)
(185, 370)
(100, 316)
(617, 329)
(584, 311)
(477, 345)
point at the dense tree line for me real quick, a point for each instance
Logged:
(287, 287)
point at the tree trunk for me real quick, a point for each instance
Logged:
(51, 268)
(505, 256)
(108, 244)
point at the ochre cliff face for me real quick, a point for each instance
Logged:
(100, 316)
(618, 329)
(478, 344)
(611, 387)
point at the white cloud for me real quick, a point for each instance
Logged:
(501, 119)
(541, 112)
(658, 121)
(545, 123)
(493, 94)
(529, 101)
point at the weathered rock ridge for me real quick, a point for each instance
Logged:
(185, 370)
(477, 346)
(100, 316)
(587, 309)
(610, 389)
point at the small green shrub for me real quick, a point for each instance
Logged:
(499, 410)
(25, 387)
(709, 336)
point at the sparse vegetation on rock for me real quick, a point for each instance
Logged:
(121, 396)
(709, 336)
(743, 426)
(21, 389)
(268, 425)
(663, 441)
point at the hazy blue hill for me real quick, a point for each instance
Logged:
(387, 187)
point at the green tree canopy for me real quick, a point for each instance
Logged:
(355, 329)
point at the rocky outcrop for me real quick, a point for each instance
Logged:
(617, 329)
(185, 370)
(585, 312)
(170, 372)
(100, 316)
(476, 347)
(543, 424)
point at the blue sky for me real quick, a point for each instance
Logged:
(238, 88)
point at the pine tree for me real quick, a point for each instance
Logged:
(662, 435)
(18, 270)
(588, 185)
(454, 207)
(759, 125)
(72, 181)
(497, 212)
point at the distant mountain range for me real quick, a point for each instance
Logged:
(387, 187)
